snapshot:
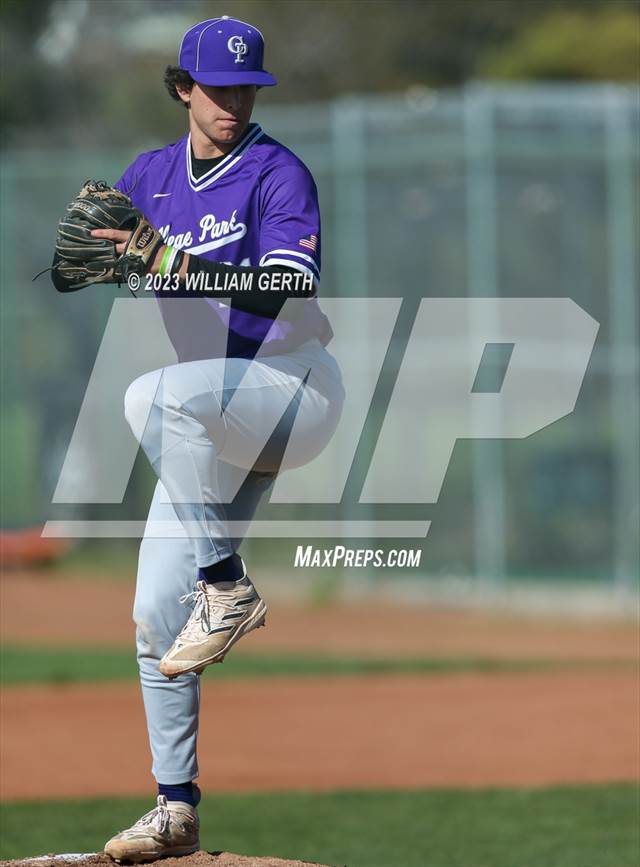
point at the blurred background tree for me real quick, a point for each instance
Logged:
(582, 45)
(55, 53)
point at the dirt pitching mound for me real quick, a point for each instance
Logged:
(199, 859)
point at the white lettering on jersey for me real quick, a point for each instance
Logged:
(184, 239)
(213, 234)
(217, 229)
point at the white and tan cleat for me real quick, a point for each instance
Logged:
(219, 619)
(170, 829)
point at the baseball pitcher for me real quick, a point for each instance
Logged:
(226, 213)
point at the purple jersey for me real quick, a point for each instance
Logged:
(257, 207)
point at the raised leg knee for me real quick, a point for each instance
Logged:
(139, 399)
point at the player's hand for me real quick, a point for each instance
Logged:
(121, 239)
(118, 235)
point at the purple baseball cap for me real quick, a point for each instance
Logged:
(224, 51)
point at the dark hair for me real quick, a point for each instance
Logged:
(175, 75)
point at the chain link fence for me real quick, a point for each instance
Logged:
(518, 192)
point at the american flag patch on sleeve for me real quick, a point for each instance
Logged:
(310, 242)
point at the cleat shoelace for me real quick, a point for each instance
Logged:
(159, 818)
(207, 608)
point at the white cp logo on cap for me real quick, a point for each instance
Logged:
(238, 46)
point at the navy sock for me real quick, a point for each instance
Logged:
(188, 793)
(229, 569)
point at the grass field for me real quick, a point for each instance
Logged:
(563, 827)
(20, 665)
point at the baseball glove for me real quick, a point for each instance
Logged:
(82, 259)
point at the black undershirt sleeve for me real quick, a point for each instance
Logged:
(271, 286)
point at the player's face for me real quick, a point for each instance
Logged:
(220, 114)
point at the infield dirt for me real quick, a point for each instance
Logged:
(199, 859)
(52, 608)
(470, 729)
(331, 733)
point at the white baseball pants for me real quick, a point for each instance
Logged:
(202, 455)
